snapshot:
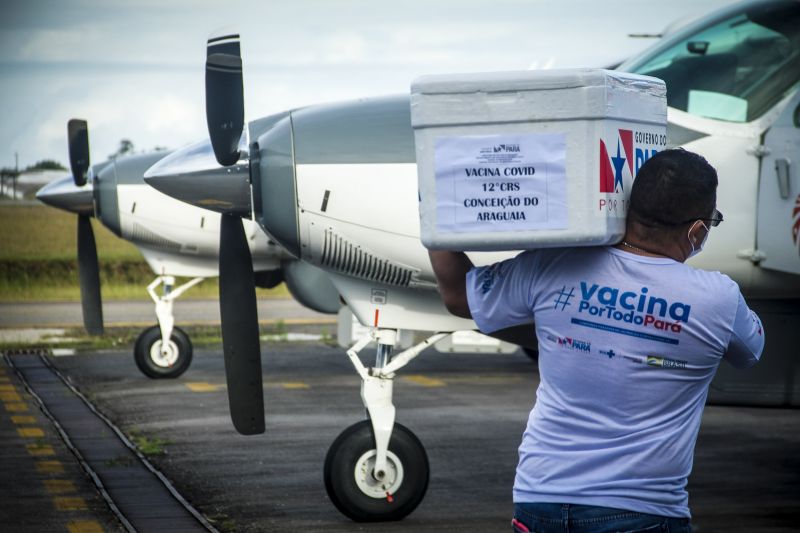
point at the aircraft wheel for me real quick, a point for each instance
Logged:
(356, 492)
(155, 364)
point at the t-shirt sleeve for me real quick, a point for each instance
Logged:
(499, 295)
(747, 339)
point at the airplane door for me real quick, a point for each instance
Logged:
(778, 219)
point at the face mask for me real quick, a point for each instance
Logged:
(699, 249)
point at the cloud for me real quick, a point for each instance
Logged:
(58, 45)
(343, 47)
(134, 68)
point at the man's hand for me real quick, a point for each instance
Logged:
(451, 270)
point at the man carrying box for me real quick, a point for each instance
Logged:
(629, 340)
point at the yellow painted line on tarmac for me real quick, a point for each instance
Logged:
(40, 450)
(70, 503)
(10, 396)
(59, 486)
(30, 433)
(294, 385)
(84, 526)
(425, 381)
(49, 467)
(16, 407)
(203, 387)
(62, 489)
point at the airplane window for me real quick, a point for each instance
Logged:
(735, 69)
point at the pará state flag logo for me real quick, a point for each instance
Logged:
(616, 162)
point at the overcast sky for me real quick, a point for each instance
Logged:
(135, 69)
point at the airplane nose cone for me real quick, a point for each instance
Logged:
(64, 194)
(193, 175)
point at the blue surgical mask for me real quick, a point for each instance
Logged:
(699, 248)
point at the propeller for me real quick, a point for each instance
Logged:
(88, 266)
(237, 293)
(224, 97)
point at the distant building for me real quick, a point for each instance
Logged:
(27, 183)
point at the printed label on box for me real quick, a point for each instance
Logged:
(623, 151)
(498, 183)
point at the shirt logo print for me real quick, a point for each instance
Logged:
(563, 297)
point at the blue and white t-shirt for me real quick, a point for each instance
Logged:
(627, 348)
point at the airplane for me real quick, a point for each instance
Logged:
(176, 240)
(336, 185)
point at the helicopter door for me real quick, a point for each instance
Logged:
(778, 230)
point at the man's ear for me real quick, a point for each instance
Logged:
(695, 232)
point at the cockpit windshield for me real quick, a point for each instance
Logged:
(734, 68)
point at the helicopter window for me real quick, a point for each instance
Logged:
(734, 70)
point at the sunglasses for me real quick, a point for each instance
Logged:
(715, 221)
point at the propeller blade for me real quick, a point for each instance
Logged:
(224, 97)
(240, 343)
(78, 138)
(89, 274)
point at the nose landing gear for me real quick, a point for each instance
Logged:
(377, 470)
(164, 351)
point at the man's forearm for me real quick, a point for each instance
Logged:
(451, 270)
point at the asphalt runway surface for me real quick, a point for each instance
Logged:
(468, 410)
(142, 313)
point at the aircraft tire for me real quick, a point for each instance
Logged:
(356, 493)
(147, 353)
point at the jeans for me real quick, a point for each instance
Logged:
(569, 518)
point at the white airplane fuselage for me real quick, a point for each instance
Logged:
(178, 239)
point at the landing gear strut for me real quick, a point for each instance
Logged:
(164, 350)
(377, 470)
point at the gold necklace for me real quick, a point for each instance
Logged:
(629, 245)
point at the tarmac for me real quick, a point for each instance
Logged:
(74, 427)
(28, 315)
(63, 465)
(95, 478)
(44, 487)
(469, 411)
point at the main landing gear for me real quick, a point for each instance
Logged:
(377, 470)
(164, 350)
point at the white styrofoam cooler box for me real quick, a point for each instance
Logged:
(532, 159)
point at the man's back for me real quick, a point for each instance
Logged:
(628, 346)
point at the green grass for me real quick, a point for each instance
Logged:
(114, 338)
(44, 233)
(149, 446)
(38, 249)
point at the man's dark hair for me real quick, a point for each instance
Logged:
(672, 187)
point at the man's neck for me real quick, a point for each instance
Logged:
(648, 249)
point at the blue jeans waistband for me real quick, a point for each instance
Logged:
(572, 518)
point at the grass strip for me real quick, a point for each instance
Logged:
(57, 280)
(38, 260)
